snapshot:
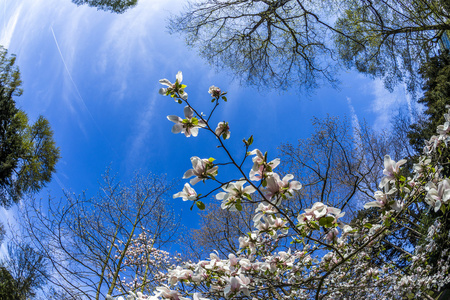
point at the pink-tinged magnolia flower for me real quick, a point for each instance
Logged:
(234, 191)
(197, 296)
(439, 195)
(262, 210)
(215, 91)
(332, 235)
(236, 285)
(304, 219)
(187, 193)
(275, 186)
(166, 293)
(319, 210)
(382, 200)
(261, 168)
(443, 130)
(223, 129)
(188, 126)
(431, 145)
(174, 88)
(202, 169)
(390, 170)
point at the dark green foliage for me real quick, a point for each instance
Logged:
(28, 154)
(22, 274)
(7, 285)
(115, 6)
(436, 87)
(436, 76)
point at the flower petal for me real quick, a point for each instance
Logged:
(188, 112)
(175, 119)
(179, 77)
(194, 180)
(194, 131)
(177, 128)
(188, 173)
(165, 82)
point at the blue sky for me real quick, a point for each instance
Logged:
(94, 75)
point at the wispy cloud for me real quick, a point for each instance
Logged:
(134, 38)
(9, 26)
(139, 139)
(355, 122)
(386, 104)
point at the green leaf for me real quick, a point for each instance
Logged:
(368, 225)
(238, 206)
(326, 221)
(211, 159)
(224, 98)
(200, 205)
(250, 140)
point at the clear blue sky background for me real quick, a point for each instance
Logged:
(94, 75)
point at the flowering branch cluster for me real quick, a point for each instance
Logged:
(326, 259)
(144, 266)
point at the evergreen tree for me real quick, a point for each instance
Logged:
(436, 76)
(23, 273)
(115, 6)
(28, 154)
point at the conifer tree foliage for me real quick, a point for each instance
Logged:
(436, 87)
(28, 153)
(23, 273)
(115, 6)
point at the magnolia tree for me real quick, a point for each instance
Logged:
(325, 257)
(144, 264)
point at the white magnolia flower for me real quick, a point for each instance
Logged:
(439, 195)
(275, 186)
(214, 91)
(189, 126)
(167, 293)
(261, 168)
(202, 169)
(173, 88)
(234, 191)
(391, 168)
(443, 130)
(197, 296)
(332, 235)
(382, 199)
(188, 193)
(319, 210)
(223, 129)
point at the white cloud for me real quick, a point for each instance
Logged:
(9, 26)
(386, 104)
(142, 132)
(355, 122)
(8, 218)
(134, 35)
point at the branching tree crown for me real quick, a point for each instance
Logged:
(283, 43)
(28, 153)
